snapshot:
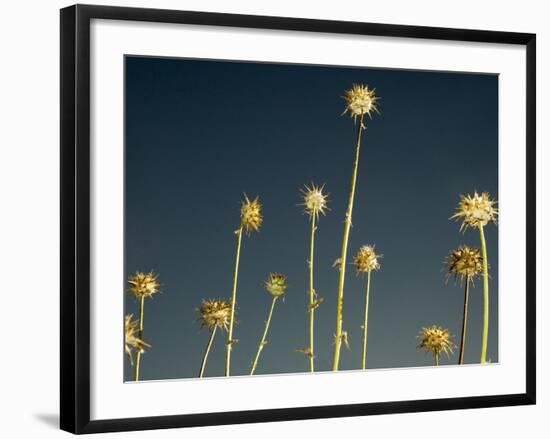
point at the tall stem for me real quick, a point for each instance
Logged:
(485, 297)
(343, 256)
(311, 294)
(436, 358)
(229, 343)
(264, 335)
(208, 346)
(140, 335)
(464, 322)
(364, 362)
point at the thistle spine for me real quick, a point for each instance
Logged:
(264, 335)
(311, 296)
(485, 297)
(207, 351)
(464, 322)
(365, 323)
(343, 256)
(140, 335)
(229, 342)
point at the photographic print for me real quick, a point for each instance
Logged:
(284, 218)
(319, 218)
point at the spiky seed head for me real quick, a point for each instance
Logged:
(435, 339)
(276, 284)
(464, 262)
(131, 341)
(215, 313)
(360, 100)
(143, 284)
(476, 210)
(315, 202)
(251, 214)
(366, 260)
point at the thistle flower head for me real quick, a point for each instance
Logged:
(366, 259)
(360, 100)
(476, 211)
(436, 340)
(130, 338)
(276, 284)
(251, 214)
(315, 202)
(215, 313)
(143, 284)
(464, 262)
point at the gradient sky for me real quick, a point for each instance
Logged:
(200, 133)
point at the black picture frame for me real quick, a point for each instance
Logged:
(75, 217)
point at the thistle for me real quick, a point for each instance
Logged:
(276, 284)
(213, 314)
(476, 212)
(464, 263)
(360, 100)
(436, 340)
(315, 203)
(366, 261)
(276, 287)
(251, 220)
(314, 200)
(142, 285)
(251, 215)
(131, 341)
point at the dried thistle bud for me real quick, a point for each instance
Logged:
(476, 211)
(360, 100)
(130, 338)
(215, 313)
(436, 340)
(343, 337)
(345, 340)
(276, 284)
(306, 351)
(366, 259)
(143, 284)
(251, 214)
(315, 202)
(315, 304)
(464, 262)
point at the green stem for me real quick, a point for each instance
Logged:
(364, 362)
(343, 256)
(311, 294)
(140, 335)
(262, 341)
(208, 346)
(229, 343)
(436, 358)
(464, 322)
(485, 297)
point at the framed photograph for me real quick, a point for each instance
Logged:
(268, 218)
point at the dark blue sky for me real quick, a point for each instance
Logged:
(200, 133)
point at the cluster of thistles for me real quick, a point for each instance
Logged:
(465, 263)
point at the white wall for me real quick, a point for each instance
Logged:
(29, 208)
